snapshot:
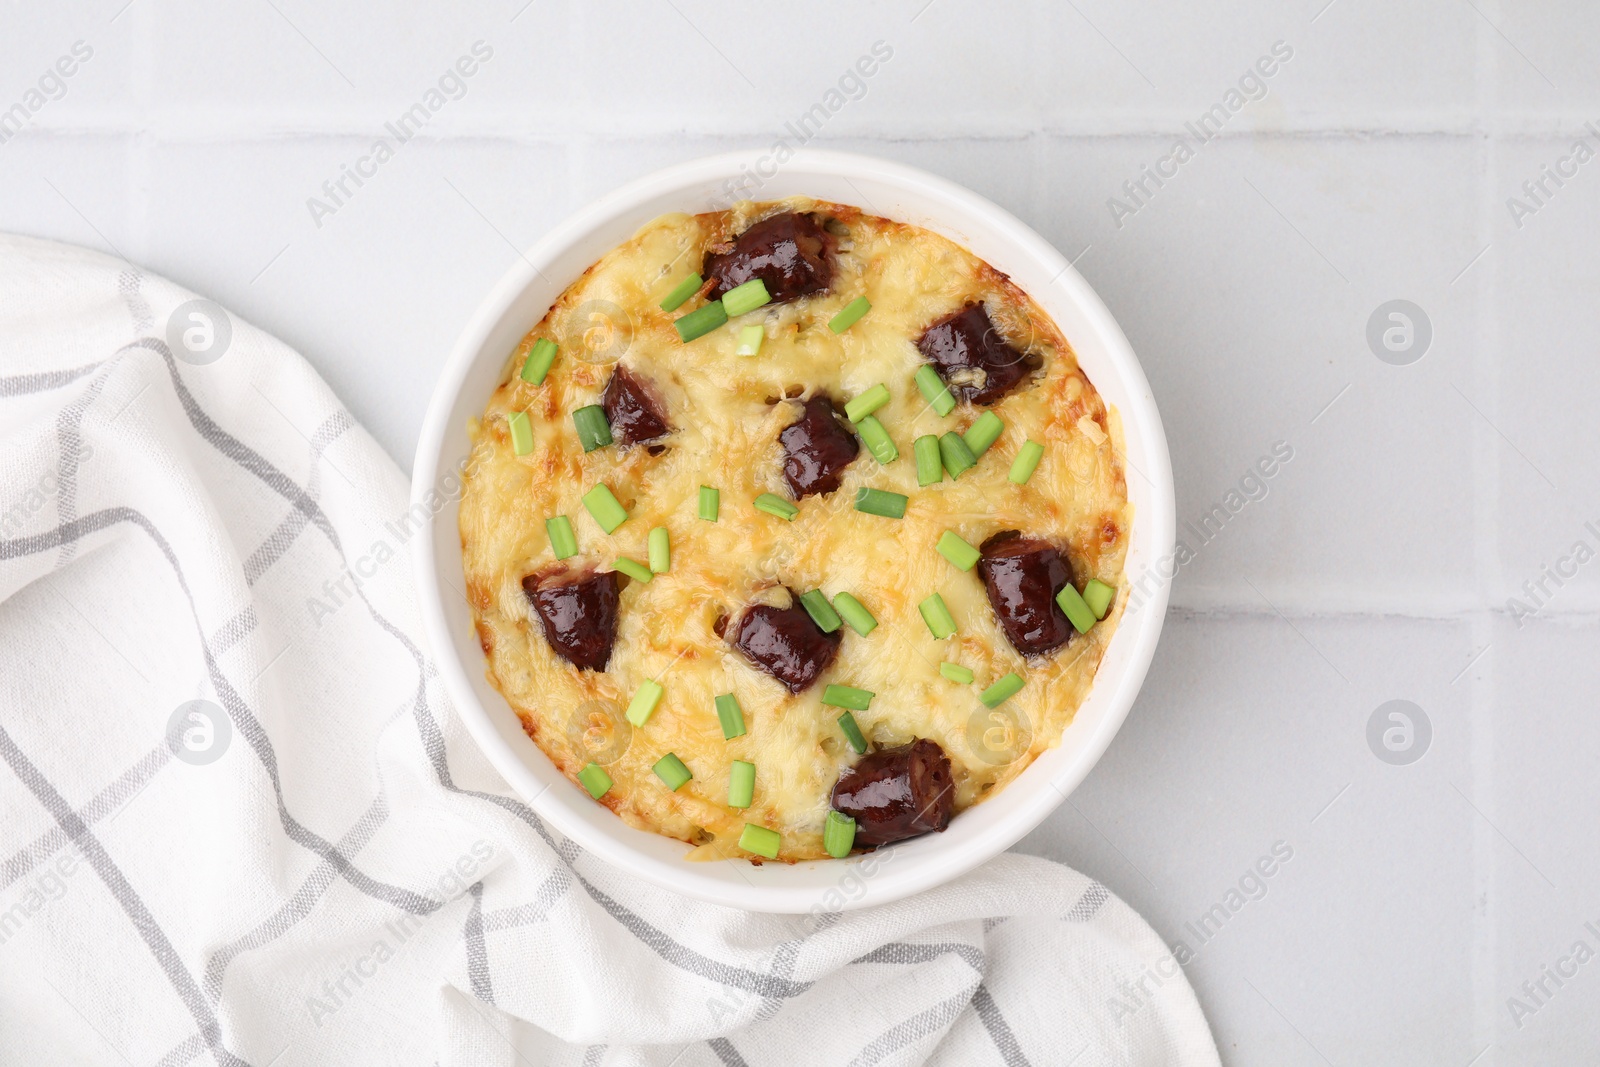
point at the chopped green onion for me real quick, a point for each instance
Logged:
(881, 502)
(741, 784)
(930, 465)
(821, 612)
(606, 509)
(855, 613)
(776, 505)
(852, 733)
(521, 432)
(934, 612)
(643, 704)
(877, 439)
(747, 297)
(958, 458)
(701, 321)
(760, 840)
(731, 716)
(709, 499)
(750, 339)
(867, 403)
(838, 834)
(563, 542)
(593, 430)
(1001, 691)
(1077, 611)
(660, 550)
(1098, 595)
(1028, 457)
(537, 365)
(850, 315)
(670, 769)
(637, 571)
(984, 431)
(957, 551)
(956, 672)
(845, 696)
(934, 391)
(681, 292)
(595, 779)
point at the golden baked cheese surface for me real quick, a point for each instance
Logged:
(725, 413)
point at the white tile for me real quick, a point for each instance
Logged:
(375, 296)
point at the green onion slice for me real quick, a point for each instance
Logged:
(877, 439)
(838, 834)
(850, 315)
(637, 571)
(1077, 612)
(957, 551)
(881, 502)
(593, 429)
(984, 431)
(867, 403)
(760, 840)
(643, 704)
(563, 542)
(741, 784)
(731, 716)
(709, 501)
(934, 391)
(747, 297)
(855, 613)
(521, 432)
(681, 292)
(1001, 691)
(956, 672)
(660, 550)
(852, 733)
(537, 365)
(937, 615)
(776, 505)
(1098, 595)
(750, 339)
(930, 464)
(846, 696)
(958, 458)
(821, 612)
(605, 508)
(670, 769)
(595, 779)
(1028, 457)
(701, 321)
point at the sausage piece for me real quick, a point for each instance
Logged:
(791, 253)
(786, 643)
(632, 409)
(578, 610)
(971, 356)
(816, 449)
(896, 793)
(1022, 576)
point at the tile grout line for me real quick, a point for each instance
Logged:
(1486, 484)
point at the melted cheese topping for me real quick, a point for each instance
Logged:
(727, 411)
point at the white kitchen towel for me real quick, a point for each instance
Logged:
(239, 822)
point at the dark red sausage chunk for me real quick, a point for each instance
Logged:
(896, 793)
(632, 409)
(791, 253)
(786, 643)
(816, 449)
(1023, 576)
(578, 610)
(971, 356)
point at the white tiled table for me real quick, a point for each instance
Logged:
(1377, 166)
